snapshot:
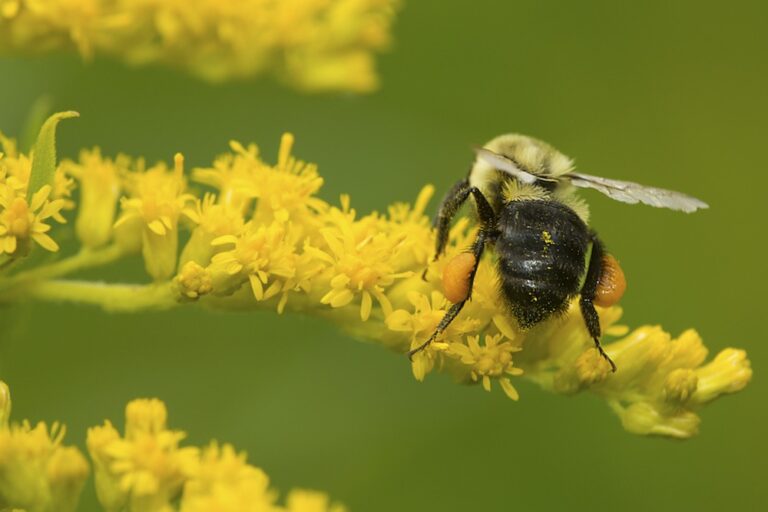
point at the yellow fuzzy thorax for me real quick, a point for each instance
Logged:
(513, 190)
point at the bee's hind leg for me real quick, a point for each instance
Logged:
(588, 293)
(486, 234)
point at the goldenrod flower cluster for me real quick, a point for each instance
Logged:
(144, 470)
(260, 237)
(314, 45)
(25, 215)
(37, 472)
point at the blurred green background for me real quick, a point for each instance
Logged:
(673, 94)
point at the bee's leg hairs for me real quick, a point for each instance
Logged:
(486, 234)
(588, 292)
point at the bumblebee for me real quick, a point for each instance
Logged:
(524, 192)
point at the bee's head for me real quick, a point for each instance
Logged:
(531, 155)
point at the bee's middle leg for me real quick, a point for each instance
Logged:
(486, 234)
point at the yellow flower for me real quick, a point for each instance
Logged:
(37, 472)
(194, 281)
(99, 191)
(361, 261)
(214, 220)
(263, 255)
(234, 175)
(419, 325)
(22, 222)
(410, 221)
(494, 359)
(157, 201)
(285, 192)
(146, 469)
(315, 45)
(224, 482)
(661, 380)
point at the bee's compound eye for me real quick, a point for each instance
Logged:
(612, 284)
(456, 277)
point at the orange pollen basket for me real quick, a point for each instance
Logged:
(456, 277)
(612, 283)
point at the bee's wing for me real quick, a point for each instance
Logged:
(629, 192)
(505, 164)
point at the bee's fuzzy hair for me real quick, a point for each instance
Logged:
(566, 194)
(532, 155)
(513, 190)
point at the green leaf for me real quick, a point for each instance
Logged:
(36, 116)
(44, 154)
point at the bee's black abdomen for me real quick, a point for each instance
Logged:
(541, 248)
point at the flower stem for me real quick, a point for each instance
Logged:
(84, 259)
(111, 297)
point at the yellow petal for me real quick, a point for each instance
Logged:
(386, 306)
(509, 389)
(335, 245)
(157, 227)
(39, 197)
(282, 303)
(399, 320)
(45, 242)
(342, 299)
(503, 325)
(365, 306)
(273, 290)
(9, 244)
(224, 240)
(340, 281)
(256, 286)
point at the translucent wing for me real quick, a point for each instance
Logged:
(629, 192)
(507, 165)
